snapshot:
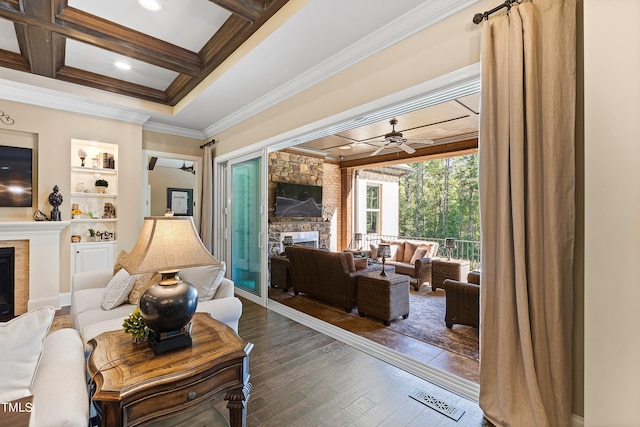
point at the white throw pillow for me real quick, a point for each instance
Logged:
(206, 279)
(117, 289)
(21, 341)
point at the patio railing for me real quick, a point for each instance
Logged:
(465, 249)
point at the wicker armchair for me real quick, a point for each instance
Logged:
(463, 301)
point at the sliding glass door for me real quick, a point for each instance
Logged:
(244, 223)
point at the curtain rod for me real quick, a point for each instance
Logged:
(479, 17)
(213, 141)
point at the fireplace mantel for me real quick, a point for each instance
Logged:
(44, 257)
(18, 227)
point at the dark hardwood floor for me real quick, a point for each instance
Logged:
(302, 377)
(374, 330)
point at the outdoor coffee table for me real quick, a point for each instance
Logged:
(385, 297)
(134, 387)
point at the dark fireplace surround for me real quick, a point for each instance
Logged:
(7, 283)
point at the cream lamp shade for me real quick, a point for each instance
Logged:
(167, 243)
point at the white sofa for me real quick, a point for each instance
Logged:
(43, 374)
(88, 317)
(60, 395)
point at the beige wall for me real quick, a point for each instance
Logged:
(443, 48)
(54, 130)
(612, 212)
(155, 141)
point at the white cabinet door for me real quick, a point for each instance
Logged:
(98, 256)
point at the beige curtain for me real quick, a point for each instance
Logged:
(206, 204)
(527, 211)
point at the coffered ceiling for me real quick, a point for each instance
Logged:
(196, 67)
(123, 47)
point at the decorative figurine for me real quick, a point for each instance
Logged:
(55, 200)
(83, 155)
(109, 211)
(40, 216)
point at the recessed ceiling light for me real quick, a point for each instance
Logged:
(345, 147)
(123, 65)
(150, 4)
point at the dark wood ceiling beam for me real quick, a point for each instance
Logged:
(424, 153)
(97, 81)
(10, 4)
(13, 60)
(39, 45)
(86, 28)
(248, 9)
(116, 38)
(233, 33)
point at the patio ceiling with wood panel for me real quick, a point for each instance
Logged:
(174, 49)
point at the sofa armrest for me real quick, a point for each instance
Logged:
(423, 271)
(462, 303)
(59, 387)
(225, 290)
(91, 279)
(226, 310)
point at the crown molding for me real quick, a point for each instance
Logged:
(173, 130)
(43, 97)
(427, 14)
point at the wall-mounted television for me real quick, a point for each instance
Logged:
(16, 176)
(298, 200)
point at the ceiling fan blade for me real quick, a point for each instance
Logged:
(378, 150)
(406, 148)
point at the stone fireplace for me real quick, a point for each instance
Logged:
(297, 168)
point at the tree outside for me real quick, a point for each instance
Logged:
(439, 199)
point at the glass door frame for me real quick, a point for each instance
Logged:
(222, 222)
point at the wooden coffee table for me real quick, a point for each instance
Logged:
(135, 387)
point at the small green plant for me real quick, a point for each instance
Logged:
(101, 183)
(134, 325)
(92, 232)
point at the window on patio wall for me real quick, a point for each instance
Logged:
(373, 208)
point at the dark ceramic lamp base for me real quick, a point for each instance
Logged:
(166, 308)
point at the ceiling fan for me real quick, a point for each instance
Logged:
(394, 138)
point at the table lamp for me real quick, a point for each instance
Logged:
(358, 239)
(450, 245)
(384, 251)
(165, 245)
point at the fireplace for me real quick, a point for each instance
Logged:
(7, 283)
(309, 239)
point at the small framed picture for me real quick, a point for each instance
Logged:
(180, 201)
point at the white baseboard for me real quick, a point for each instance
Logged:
(65, 299)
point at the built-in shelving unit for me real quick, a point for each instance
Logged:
(91, 209)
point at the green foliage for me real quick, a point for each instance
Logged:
(440, 199)
(101, 183)
(134, 325)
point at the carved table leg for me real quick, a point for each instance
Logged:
(237, 405)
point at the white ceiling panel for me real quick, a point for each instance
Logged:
(8, 39)
(100, 61)
(202, 19)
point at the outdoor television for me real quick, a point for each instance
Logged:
(298, 200)
(16, 176)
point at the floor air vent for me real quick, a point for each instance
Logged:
(437, 404)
